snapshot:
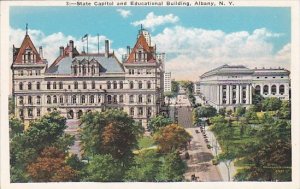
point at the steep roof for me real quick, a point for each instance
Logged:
(141, 43)
(227, 70)
(27, 43)
(109, 64)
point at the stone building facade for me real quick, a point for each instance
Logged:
(231, 86)
(76, 83)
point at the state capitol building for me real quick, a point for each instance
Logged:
(76, 83)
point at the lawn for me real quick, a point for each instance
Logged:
(146, 142)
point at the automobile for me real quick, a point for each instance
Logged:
(197, 131)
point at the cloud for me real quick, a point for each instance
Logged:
(151, 21)
(124, 13)
(192, 51)
(52, 42)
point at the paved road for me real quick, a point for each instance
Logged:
(200, 163)
(72, 129)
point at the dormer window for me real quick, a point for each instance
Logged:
(28, 56)
(139, 55)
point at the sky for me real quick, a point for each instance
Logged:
(195, 39)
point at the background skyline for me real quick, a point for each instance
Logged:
(194, 39)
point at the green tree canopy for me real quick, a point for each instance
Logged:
(271, 104)
(174, 87)
(158, 122)
(103, 168)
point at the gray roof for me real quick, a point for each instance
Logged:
(63, 65)
(227, 70)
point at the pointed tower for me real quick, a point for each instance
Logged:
(28, 68)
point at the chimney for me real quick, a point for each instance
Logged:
(71, 45)
(128, 50)
(61, 51)
(106, 48)
(41, 52)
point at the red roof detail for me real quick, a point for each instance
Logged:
(25, 44)
(141, 43)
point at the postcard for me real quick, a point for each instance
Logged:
(150, 94)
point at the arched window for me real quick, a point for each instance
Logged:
(132, 111)
(93, 69)
(82, 99)
(140, 99)
(121, 84)
(109, 99)
(21, 100)
(273, 89)
(140, 111)
(79, 114)
(84, 85)
(54, 99)
(61, 99)
(257, 89)
(54, 85)
(281, 89)
(149, 112)
(121, 99)
(131, 99)
(38, 100)
(131, 85)
(48, 99)
(92, 99)
(148, 85)
(140, 84)
(75, 70)
(74, 99)
(61, 85)
(93, 85)
(21, 113)
(83, 70)
(115, 84)
(108, 85)
(29, 86)
(115, 99)
(75, 85)
(21, 86)
(266, 89)
(48, 85)
(38, 85)
(38, 112)
(149, 98)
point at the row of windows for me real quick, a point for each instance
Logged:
(110, 85)
(140, 111)
(83, 99)
(270, 77)
(29, 72)
(266, 89)
(139, 71)
(29, 112)
(85, 70)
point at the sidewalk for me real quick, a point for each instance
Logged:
(216, 149)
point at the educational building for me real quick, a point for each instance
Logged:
(76, 83)
(229, 86)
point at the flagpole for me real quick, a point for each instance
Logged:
(87, 44)
(98, 42)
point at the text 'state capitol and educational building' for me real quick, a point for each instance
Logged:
(76, 83)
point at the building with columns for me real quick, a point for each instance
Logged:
(76, 83)
(229, 86)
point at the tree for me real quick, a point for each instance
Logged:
(222, 111)
(251, 114)
(103, 168)
(145, 167)
(50, 166)
(285, 110)
(11, 105)
(271, 104)
(204, 111)
(172, 168)
(26, 146)
(158, 122)
(174, 87)
(257, 101)
(172, 138)
(240, 111)
(16, 127)
(112, 131)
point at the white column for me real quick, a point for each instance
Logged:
(269, 89)
(250, 94)
(241, 94)
(237, 93)
(261, 89)
(230, 93)
(247, 94)
(227, 94)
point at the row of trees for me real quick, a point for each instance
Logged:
(109, 142)
(261, 144)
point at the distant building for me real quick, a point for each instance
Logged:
(76, 83)
(167, 82)
(231, 86)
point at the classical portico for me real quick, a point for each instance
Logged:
(232, 86)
